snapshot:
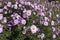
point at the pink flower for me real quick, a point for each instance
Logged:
(28, 13)
(16, 21)
(23, 21)
(34, 29)
(9, 4)
(46, 23)
(42, 35)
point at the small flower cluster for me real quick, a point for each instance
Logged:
(21, 12)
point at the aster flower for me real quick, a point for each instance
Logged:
(42, 14)
(46, 18)
(9, 4)
(42, 36)
(16, 21)
(57, 15)
(15, 6)
(24, 32)
(28, 13)
(57, 33)
(1, 16)
(32, 5)
(46, 23)
(34, 29)
(54, 36)
(24, 11)
(53, 29)
(22, 2)
(1, 28)
(24, 27)
(5, 20)
(41, 22)
(5, 7)
(0, 4)
(20, 5)
(25, 16)
(5, 12)
(1, 10)
(23, 21)
(11, 23)
(52, 23)
(38, 36)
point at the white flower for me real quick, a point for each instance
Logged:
(9, 4)
(5, 20)
(24, 27)
(5, 12)
(57, 15)
(28, 12)
(1, 16)
(45, 23)
(24, 31)
(16, 21)
(23, 21)
(52, 22)
(1, 10)
(1, 28)
(33, 29)
(54, 36)
(50, 14)
(42, 35)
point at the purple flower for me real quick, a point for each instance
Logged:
(34, 29)
(23, 21)
(57, 33)
(11, 23)
(53, 29)
(16, 22)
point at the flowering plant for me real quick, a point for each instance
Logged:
(22, 20)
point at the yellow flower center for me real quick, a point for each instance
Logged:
(33, 28)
